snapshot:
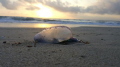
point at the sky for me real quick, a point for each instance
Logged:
(62, 9)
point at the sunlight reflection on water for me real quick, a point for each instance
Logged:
(43, 25)
(34, 25)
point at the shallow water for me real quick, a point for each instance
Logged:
(36, 25)
(42, 25)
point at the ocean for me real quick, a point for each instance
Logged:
(30, 22)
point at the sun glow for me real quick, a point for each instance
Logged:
(43, 25)
(44, 12)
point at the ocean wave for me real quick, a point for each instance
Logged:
(9, 19)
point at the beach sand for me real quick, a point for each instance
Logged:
(103, 49)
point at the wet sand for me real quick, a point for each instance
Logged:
(103, 49)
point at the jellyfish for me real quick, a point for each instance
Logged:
(56, 34)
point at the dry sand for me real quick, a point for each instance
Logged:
(103, 51)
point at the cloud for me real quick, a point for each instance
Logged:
(61, 6)
(32, 8)
(14, 5)
(10, 5)
(105, 7)
(101, 7)
(30, 1)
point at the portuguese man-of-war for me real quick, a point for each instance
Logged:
(56, 34)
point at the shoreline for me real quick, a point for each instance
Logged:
(102, 51)
(46, 25)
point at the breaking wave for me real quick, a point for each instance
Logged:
(9, 19)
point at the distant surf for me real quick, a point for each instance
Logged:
(24, 20)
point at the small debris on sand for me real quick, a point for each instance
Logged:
(81, 41)
(16, 43)
(82, 56)
(4, 42)
(19, 43)
(29, 46)
(86, 42)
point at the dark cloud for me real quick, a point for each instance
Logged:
(32, 8)
(105, 7)
(10, 5)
